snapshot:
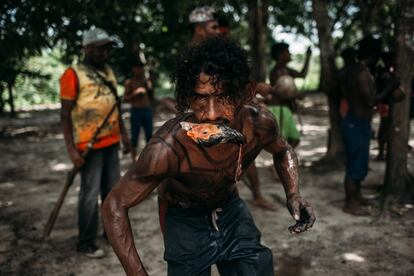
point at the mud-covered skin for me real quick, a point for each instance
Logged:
(193, 176)
(197, 177)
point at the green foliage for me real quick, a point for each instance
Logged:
(159, 28)
(40, 90)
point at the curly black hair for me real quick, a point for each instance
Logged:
(222, 59)
(369, 47)
(277, 49)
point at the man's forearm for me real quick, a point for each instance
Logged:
(286, 165)
(118, 229)
(305, 68)
(66, 120)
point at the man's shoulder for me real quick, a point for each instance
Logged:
(260, 116)
(256, 113)
(168, 140)
(263, 122)
(170, 130)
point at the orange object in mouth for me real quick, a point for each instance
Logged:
(211, 134)
(203, 131)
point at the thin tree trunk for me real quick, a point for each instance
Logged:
(368, 12)
(11, 98)
(328, 76)
(1, 100)
(257, 30)
(397, 177)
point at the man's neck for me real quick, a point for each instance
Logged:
(138, 77)
(281, 64)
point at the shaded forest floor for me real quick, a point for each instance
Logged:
(34, 161)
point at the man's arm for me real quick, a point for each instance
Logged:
(127, 91)
(366, 86)
(156, 163)
(304, 72)
(126, 143)
(286, 165)
(67, 127)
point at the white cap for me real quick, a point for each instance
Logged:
(96, 36)
(201, 14)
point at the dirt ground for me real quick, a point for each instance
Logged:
(33, 166)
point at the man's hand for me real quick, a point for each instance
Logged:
(309, 51)
(140, 90)
(302, 212)
(76, 157)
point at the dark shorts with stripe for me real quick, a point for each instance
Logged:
(193, 243)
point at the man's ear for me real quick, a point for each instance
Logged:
(199, 29)
(87, 49)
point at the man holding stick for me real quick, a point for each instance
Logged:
(88, 96)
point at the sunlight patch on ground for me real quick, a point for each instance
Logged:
(158, 124)
(305, 143)
(57, 136)
(72, 200)
(6, 203)
(7, 185)
(353, 257)
(261, 161)
(311, 152)
(24, 130)
(61, 167)
(309, 128)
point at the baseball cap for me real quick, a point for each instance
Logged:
(201, 14)
(96, 36)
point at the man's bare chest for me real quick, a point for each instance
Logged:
(217, 164)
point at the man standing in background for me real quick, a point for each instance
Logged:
(203, 24)
(140, 95)
(88, 93)
(283, 100)
(357, 101)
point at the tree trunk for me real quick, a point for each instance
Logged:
(397, 177)
(257, 33)
(1, 100)
(368, 11)
(11, 99)
(328, 77)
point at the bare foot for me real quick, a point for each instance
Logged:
(264, 204)
(356, 210)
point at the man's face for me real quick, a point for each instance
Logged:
(209, 104)
(99, 55)
(285, 56)
(210, 29)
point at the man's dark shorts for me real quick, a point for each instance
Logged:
(193, 244)
(356, 133)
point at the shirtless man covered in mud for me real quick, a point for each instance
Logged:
(196, 170)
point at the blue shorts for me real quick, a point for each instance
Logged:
(356, 133)
(193, 243)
